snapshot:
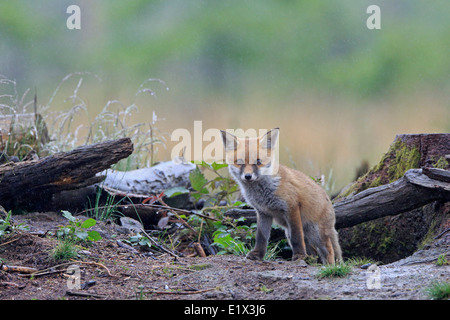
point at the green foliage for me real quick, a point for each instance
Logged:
(438, 290)
(78, 230)
(359, 261)
(233, 239)
(334, 271)
(140, 240)
(5, 224)
(215, 189)
(64, 250)
(7, 227)
(106, 211)
(198, 183)
(442, 260)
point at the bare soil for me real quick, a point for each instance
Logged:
(113, 272)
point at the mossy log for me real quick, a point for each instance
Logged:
(30, 185)
(414, 207)
(408, 151)
(415, 189)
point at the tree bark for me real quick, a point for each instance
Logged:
(30, 184)
(415, 189)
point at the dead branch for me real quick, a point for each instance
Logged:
(85, 294)
(30, 184)
(22, 269)
(179, 292)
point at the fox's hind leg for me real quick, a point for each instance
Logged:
(336, 246)
(295, 235)
(314, 241)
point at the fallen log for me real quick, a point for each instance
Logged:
(143, 182)
(415, 189)
(30, 184)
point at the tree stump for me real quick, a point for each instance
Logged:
(391, 238)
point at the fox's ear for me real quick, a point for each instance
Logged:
(229, 141)
(269, 140)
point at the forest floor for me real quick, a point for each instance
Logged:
(109, 271)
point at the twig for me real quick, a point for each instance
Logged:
(12, 284)
(180, 292)
(442, 233)
(7, 242)
(7, 268)
(125, 246)
(84, 294)
(158, 245)
(97, 264)
(47, 271)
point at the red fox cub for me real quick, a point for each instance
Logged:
(289, 197)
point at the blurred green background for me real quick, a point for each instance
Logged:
(339, 91)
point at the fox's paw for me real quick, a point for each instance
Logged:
(255, 255)
(298, 256)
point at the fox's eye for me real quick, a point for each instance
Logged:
(239, 161)
(258, 162)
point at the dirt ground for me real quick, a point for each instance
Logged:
(108, 271)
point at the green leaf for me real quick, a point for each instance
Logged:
(88, 223)
(217, 166)
(94, 235)
(239, 204)
(175, 191)
(82, 235)
(135, 238)
(68, 215)
(196, 196)
(198, 180)
(205, 164)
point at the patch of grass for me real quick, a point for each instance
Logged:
(334, 271)
(438, 290)
(64, 250)
(442, 260)
(103, 212)
(265, 289)
(200, 266)
(359, 261)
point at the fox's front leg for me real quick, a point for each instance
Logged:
(264, 225)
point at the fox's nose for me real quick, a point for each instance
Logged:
(248, 176)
